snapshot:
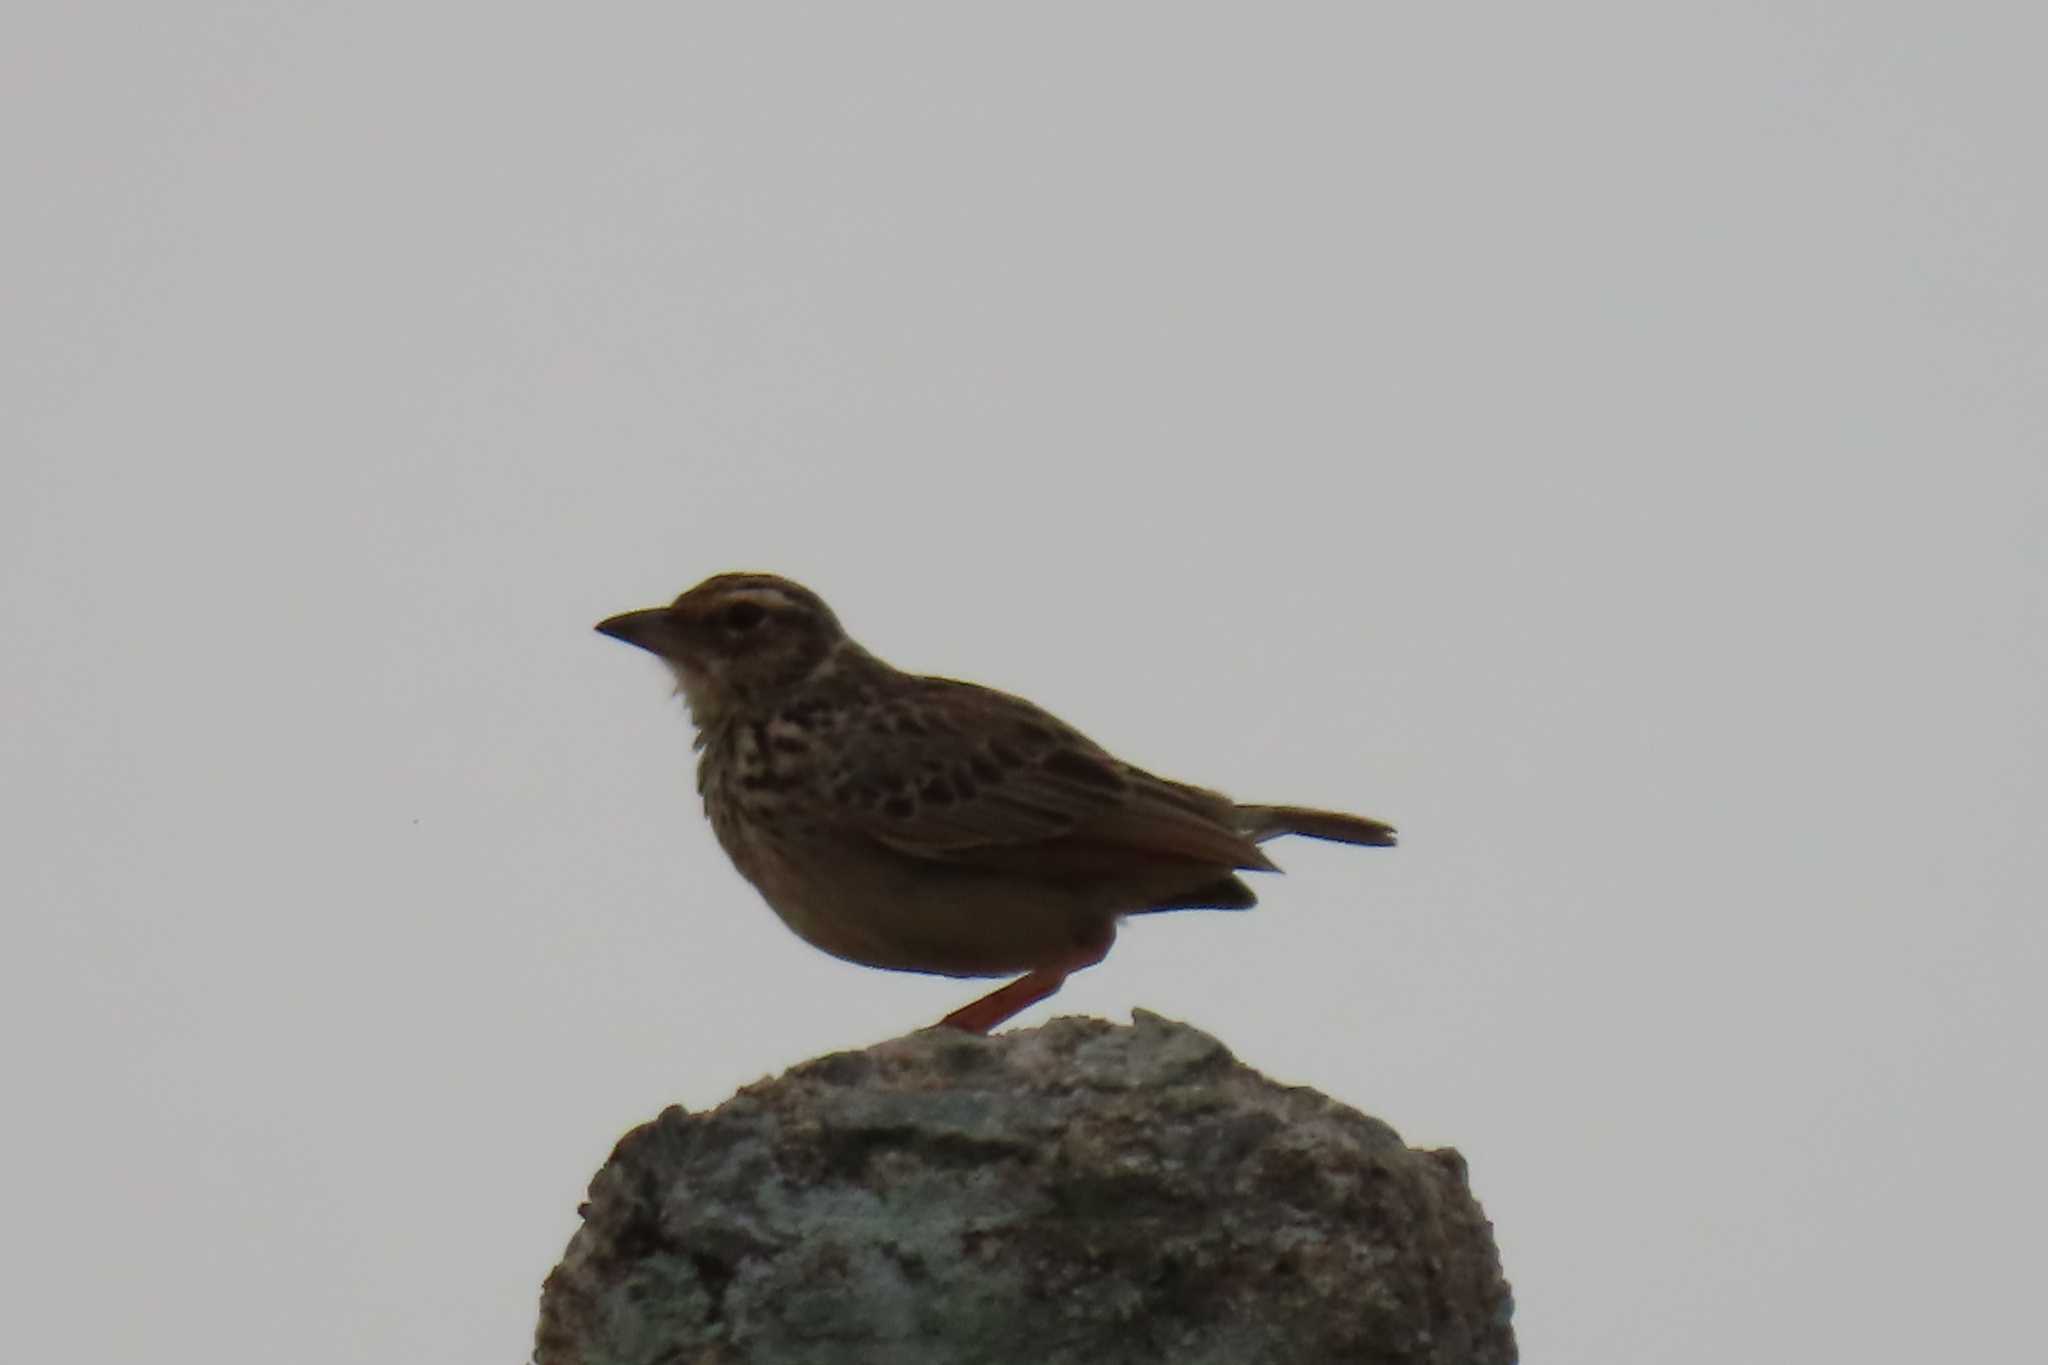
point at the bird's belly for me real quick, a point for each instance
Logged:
(884, 910)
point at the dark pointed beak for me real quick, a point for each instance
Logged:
(656, 630)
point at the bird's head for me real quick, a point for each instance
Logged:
(736, 641)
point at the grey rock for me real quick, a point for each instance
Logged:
(1077, 1193)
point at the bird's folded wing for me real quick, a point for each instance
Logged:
(962, 774)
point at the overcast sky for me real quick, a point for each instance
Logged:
(1605, 440)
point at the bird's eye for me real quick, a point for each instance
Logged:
(743, 616)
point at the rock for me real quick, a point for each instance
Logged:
(1077, 1194)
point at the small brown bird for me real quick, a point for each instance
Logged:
(927, 825)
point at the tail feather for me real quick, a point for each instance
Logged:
(1260, 823)
(1225, 893)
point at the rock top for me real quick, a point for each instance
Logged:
(1077, 1194)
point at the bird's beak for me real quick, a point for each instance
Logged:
(658, 630)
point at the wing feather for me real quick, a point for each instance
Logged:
(958, 773)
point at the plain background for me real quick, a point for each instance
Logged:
(1604, 439)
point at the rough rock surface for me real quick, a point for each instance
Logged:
(1077, 1193)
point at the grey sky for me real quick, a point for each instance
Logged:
(1605, 440)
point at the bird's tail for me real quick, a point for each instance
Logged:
(1260, 823)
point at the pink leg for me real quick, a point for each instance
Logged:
(1005, 1002)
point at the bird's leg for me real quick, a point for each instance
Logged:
(1002, 1004)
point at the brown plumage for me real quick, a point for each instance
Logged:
(922, 824)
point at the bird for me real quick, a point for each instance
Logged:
(923, 824)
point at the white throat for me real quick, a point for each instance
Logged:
(698, 695)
